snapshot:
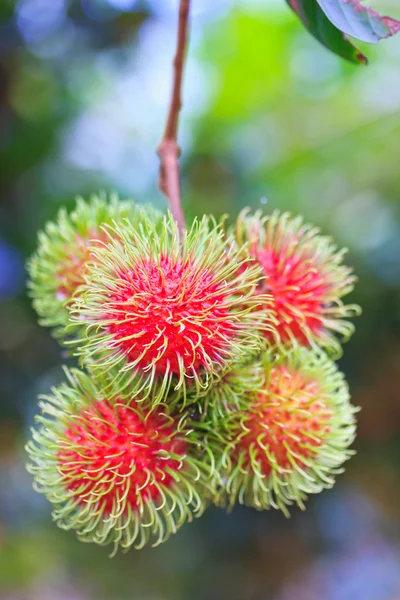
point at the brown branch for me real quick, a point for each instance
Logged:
(168, 150)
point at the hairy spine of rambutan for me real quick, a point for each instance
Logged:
(292, 436)
(115, 473)
(163, 309)
(230, 393)
(305, 275)
(57, 269)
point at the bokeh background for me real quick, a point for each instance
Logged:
(271, 120)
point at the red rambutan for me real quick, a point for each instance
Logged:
(162, 309)
(58, 267)
(114, 473)
(293, 435)
(304, 274)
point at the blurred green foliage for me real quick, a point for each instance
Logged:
(270, 119)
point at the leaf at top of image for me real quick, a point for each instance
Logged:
(359, 21)
(318, 24)
(332, 21)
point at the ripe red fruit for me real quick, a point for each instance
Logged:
(290, 418)
(58, 267)
(304, 274)
(113, 472)
(119, 456)
(161, 309)
(291, 435)
(180, 321)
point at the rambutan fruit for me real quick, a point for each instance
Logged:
(231, 393)
(163, 308)
(58, 267)
(113, 472)
(304, 274)
(293, 436)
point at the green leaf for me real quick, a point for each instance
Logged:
(318, 24)
(359, 21)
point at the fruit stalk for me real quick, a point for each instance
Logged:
(168, 149)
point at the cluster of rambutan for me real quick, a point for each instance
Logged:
(205, 372)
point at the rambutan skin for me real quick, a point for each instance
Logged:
(292, 436)
(161, 309)
(230, 394)
(58, 267)
(156, 284)
(306, 277)
(115, 473)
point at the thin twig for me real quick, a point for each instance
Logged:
(168, 150)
